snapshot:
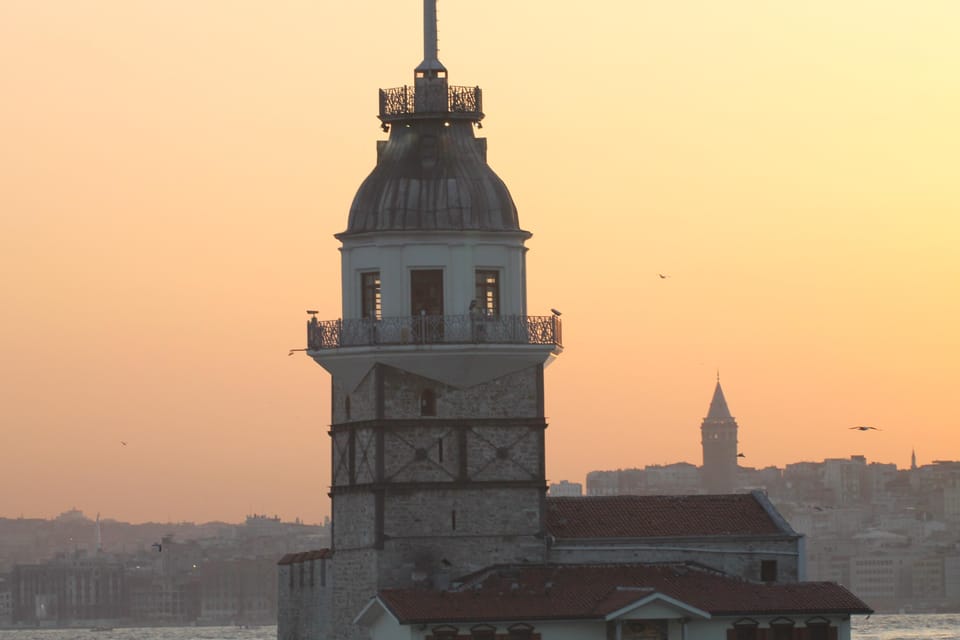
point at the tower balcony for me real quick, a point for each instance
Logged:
(400, 103)
(433, 330)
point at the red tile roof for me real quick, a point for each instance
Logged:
(568, 592)
(661, 516)
(303, 556)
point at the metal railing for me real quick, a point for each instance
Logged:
(424, 329)
(404, 101)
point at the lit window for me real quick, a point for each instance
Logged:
(370, 295)
(488, 291)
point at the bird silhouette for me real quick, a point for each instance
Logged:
(865, 428)
(740, 455)
(662, 276)
(123, 443)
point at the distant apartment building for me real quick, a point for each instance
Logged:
(6, 602)
(228, 579)
(71, 587)
(240, 591)
(565, 489)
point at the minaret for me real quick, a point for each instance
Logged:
(437, 370)
(718, 436)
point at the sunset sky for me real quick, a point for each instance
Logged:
(172, 173)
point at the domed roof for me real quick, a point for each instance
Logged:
(432, 174)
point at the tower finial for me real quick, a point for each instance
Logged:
(430, 61)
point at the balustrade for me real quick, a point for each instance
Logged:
(403, 101)
(424, 329)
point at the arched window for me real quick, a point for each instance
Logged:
(819, 629)
(520, 631)
(428, 403)
(483, 632)
(782, 629)
(445, 632)
(744, 629)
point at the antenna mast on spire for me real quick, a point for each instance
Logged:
(430, 61)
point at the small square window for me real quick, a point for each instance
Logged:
(768, 570)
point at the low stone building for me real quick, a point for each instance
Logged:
(621, 601)
(740, 534)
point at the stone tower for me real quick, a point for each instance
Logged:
(718, 435)
(437, 425)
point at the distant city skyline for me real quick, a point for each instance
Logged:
(173, 173)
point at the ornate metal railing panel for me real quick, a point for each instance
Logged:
(412, 330)
(403, 101)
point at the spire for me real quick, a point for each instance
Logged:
(430, 61)
(718, 406)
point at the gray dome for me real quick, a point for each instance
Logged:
(432, 176)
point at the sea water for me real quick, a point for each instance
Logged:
(937, 626)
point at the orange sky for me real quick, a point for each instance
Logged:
(171, 174)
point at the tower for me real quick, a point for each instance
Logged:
(718, 436)
(437, 425)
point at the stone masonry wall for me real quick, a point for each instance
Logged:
(433, 451)
(304, 593)
(511, 396)
(354, 521)
(355, 575)
(433, 536)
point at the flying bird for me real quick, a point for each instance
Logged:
(740, 455)
(123, 443)
(865, 428)
(662, 276)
